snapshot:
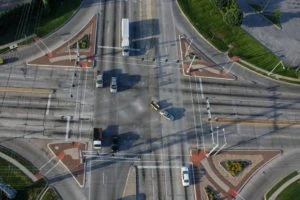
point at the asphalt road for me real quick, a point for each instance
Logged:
(156, 146)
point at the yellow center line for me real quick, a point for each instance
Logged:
(25, 90)
(257, 122)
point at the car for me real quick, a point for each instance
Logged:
(166, 115)
(185, 178)
(113, 85)
(154, 105)
(115, 143)
(99, 80)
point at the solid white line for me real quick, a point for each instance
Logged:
(40, 48)
(202, 131)
(195, 124)
(201, 88)
(108, 47)
(157, 167)
(82, 110)
(48, 104)
(68, 127)
(45, 174)
(47, 162)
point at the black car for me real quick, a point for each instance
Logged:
(115, 143)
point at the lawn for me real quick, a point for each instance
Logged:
(291, 192)
(208, 20)
(50, 195)
(14, 26)
(25, 188)
(62, 14)
(281, 182)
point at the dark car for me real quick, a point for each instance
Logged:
(115, 143)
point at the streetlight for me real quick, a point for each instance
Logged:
(190, 66)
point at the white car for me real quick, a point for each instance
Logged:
(113, 85)
(166, 115)
(99, 80)
(185, 178)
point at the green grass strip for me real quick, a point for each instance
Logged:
(19, 158)
(280, 183)
(50, 195)
(291, 192)
(208, 20)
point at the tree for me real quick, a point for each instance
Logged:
(233, 16)
(222, 4)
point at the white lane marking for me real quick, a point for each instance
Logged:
(48, 104)
(201, 125)
(83, 103)
(238, 127)
(68, 127)
(103, 178)
(45, 174)
(201, 88)
(157, 167)
(192, 97)
(47, 162)
(108, 47)
(40, 48)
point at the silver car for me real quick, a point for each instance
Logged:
(113, 85)
(99, 80)
(166, 115)
(185, 178)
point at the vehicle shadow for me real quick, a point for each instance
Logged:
(124, 81)
(143, 36)
(126, 140)
(178, 113)
(108, 133)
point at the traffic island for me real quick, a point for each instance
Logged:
(196, 64)
(227, 172)
(79, 50)
(69, 155)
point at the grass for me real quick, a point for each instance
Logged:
(208, 20)
(43, 25)
(63, 13)
(291, 192)
(18, 158)
(14, 177)
(281, 182)
(50, 195)
(274, 18)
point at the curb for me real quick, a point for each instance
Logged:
(187, 19)
(265, 72)
(257, 170)
(59, 161)
(259, 69)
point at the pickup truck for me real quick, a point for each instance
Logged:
(97, 138)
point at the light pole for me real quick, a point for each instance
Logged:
(190, 66)
(225, 143)
(186, 52)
